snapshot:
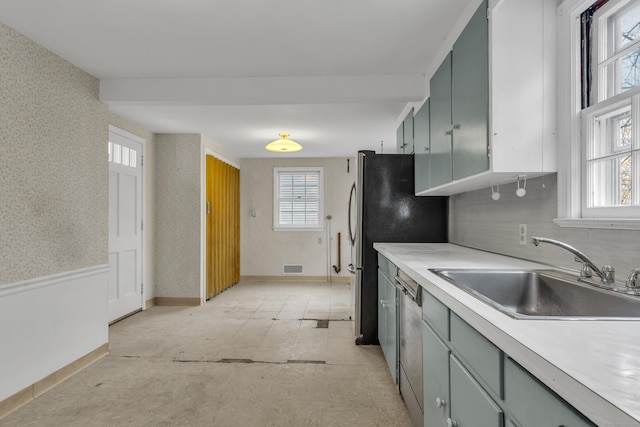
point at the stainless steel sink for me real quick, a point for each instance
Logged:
(542, 294)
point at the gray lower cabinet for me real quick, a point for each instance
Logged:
(469, 382)
(452, 396)
(435, 378)
(387, 315)
(533, 404)
(470, 405)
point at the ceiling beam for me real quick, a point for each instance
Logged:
(266, 90)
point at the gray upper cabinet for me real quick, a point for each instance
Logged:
(408, 133)
(493, 100)
(470, 97)
(404, 135)
(400, 139)
(421, 147)
(440, 166)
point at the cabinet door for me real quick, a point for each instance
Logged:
(400, 139)
(435, 378)
(440, 131)
(391, 331)
(381, 310)
(471, 406)
(421, 147)
(407, 125)
(470, 93)
(387, 326)
(533, 404)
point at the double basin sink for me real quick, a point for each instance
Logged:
(542, 294)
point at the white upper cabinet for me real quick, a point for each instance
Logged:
(520, 138)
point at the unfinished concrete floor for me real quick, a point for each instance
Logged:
(251, 356)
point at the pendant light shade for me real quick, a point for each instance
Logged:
(283, 145)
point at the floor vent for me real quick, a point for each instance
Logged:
(292, 268)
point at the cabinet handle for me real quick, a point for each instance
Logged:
(456, 127)
(451, 423)
(448, 133)
(440, 402)
(426, 148)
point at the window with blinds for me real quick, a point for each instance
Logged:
(298, 198)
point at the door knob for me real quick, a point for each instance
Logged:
(451, 423)
(440, 402)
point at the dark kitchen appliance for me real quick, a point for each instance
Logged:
(388, 211)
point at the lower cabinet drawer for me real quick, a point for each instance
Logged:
(436, 314)
(532, 404)
(387, 267)
(479, 354)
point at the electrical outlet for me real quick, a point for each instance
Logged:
(522, 234)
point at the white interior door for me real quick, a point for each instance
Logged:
(125, 226)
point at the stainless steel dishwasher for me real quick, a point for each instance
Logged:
(410, 322)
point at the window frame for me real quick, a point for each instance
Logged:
(277, 173)
(571, 153)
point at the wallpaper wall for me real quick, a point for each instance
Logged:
(178, 215)
(53, 173)
(478, 221)
(264, 251)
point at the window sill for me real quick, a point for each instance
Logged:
(297, 229)
(602, 223)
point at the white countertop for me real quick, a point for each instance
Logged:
(594, 365)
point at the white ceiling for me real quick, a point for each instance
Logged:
(335, 74)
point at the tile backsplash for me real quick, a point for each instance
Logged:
(478, 221)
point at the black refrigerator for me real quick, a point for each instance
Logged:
(388, 211)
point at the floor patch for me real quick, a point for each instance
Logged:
(324, 323)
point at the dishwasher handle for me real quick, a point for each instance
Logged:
(414, 294)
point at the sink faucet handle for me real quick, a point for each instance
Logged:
(609, 274)
(585, 272)
(634, 278)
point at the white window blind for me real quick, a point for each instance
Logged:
(298, 198)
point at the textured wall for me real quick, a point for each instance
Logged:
(178, 219)
(264, 251)
(53, 173)
(480, 222)
(150, 199)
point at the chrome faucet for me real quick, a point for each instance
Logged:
(633, 281)
(606, 274)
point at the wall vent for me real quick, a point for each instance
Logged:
(292, 269)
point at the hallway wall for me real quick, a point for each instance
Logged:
(178, 228)
(264, 251)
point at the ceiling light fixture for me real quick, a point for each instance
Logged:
(283, 145)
